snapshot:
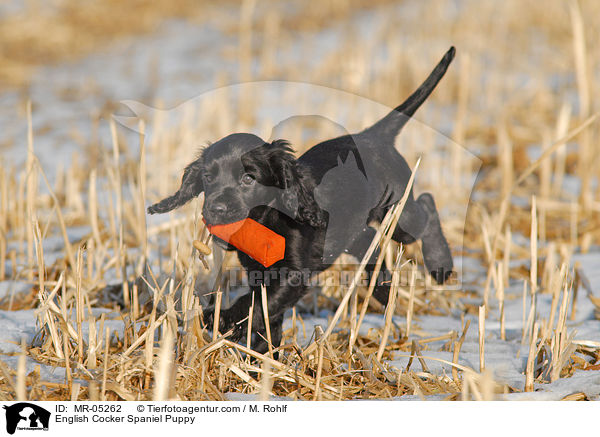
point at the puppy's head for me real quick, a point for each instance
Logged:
(241, 172)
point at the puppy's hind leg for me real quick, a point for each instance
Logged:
(359, 248)
(436, 252)
(420, 220)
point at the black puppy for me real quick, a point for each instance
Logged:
(322, 203)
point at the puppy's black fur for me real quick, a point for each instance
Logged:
(322, 203)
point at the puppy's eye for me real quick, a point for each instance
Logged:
(247, 179)
(208, 177)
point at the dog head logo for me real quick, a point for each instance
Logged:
(349, 172)
(26, 416)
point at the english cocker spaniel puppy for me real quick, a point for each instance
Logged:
(322, 204)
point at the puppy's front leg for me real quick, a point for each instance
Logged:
(234, 317)
(284, 289)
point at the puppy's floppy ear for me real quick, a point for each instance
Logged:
(191, 186)
(297, 195)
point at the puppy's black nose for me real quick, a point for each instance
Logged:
(218, 208)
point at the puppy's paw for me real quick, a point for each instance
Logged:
(208, 316)
(437, 257)
(440, 275)
(225, 324)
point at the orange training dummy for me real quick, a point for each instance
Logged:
(252, 238)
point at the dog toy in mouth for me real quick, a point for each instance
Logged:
(255, 240)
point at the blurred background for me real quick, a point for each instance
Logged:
(524, 75)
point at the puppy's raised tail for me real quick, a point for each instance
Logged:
(390, 125)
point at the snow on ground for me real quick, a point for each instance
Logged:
(506, 359)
